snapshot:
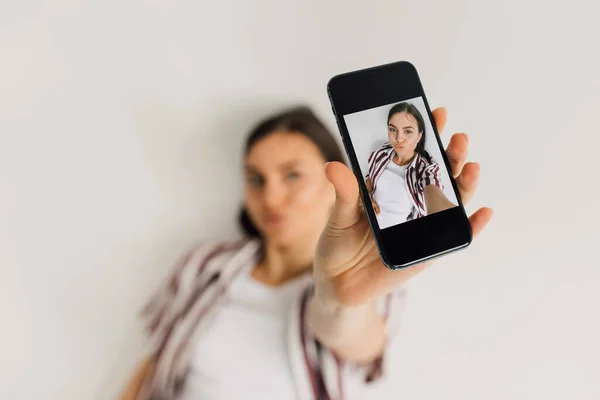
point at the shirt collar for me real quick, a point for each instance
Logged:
(413, 164)
(415, 161)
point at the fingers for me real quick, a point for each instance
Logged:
(480, 219)
(467, 181)
(346, 210)
(439, 116)
(457, 152)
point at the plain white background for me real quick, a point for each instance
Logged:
(368, 131)
(120, 136)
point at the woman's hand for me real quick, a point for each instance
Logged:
(348, 268)
(370, 190)
(375, 206)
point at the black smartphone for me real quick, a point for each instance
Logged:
(410, 197)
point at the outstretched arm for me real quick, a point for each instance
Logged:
(436, 200)
(349, 274)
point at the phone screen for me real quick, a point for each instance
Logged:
(399, 157)
(394, 149)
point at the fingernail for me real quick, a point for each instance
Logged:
(325, 166)
(466, 136)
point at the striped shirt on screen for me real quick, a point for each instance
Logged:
(420, 173)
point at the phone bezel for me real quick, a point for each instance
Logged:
(421, 239)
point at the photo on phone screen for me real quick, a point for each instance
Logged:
(400, 162)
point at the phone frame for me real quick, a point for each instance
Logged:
(422, 238)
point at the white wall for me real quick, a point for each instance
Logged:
(112, 112)
(368, 131)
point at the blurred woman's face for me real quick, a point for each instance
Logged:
(287, 194)
(404, 135)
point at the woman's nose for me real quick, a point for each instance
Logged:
(274, 195)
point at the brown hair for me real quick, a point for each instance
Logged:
(414, 111)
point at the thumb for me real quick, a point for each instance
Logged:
(346, 210)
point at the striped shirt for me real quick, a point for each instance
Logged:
(181, 309)
(420, 173)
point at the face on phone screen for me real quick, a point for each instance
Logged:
(400, 161)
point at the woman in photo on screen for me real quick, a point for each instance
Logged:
(404, 181)
(302, 308)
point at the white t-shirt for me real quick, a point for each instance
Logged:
(392, 196)
(244, 352)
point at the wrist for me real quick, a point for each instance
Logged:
(324, 296)
(342, 327)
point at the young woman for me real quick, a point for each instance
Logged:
(404, 181)
(304, 308)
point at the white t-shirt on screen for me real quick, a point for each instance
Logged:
(244, 352)
(392, 196)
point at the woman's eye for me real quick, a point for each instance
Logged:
(254, 180)
(292, 176)
(408, 132)
(393, 130)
